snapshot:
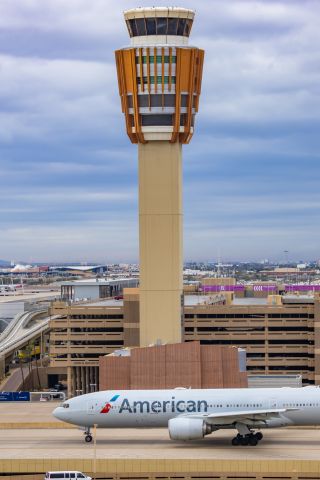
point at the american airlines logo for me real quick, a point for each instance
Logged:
(164, 406)
(108, 405)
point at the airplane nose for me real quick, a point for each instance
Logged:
(59, 413)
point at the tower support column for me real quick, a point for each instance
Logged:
(160, 225)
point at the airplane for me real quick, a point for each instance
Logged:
(192, 414)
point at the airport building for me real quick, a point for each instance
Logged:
(95, 288)
(280, 334)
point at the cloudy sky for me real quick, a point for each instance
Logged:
(68, 173)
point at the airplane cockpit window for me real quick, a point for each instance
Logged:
(65, 405)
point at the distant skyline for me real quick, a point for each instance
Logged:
(69, 173)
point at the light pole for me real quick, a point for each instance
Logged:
(94, 451)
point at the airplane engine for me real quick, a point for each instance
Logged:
(188, 428)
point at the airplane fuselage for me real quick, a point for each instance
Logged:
(154, 408)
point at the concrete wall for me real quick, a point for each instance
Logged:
(36, 380)
(160, 230)
(150, 469)
(131, 315)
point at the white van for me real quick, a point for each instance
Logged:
(66, 475)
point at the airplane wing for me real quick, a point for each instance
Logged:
(239, 416)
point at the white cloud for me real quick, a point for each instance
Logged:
(76, 16)
(46, 98)
(85, 241)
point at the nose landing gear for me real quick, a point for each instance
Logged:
(88, 436)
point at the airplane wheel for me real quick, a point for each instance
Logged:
(253, 441)
(235, 441)
(88, 438)
(259, 436)
(244, 441)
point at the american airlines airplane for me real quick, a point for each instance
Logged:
(192, 414)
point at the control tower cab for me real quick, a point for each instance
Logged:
(159, 75)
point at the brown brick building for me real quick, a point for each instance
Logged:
(186, 365)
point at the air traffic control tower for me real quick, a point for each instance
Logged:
(159, 79)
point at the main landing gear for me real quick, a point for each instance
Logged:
(251, 439)
(88, 436)
(246, 436)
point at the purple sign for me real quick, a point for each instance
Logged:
(302, 288)
(263, 288)
(238, 288)
(222, 288)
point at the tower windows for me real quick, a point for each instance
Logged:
(151, 26)
(172, 26)
(182, 26)
(162, 26)
(159, 26)
(158, 59)
(159, 80)
(184, 100)
(141, 26)
(156, 100)
(156, 120)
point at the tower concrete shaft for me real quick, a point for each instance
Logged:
(160, 222)
(159, 79)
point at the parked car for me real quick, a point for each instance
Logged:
(54, 392)
(66, 474)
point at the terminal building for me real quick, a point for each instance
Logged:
(281, 335)
(95, 288)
